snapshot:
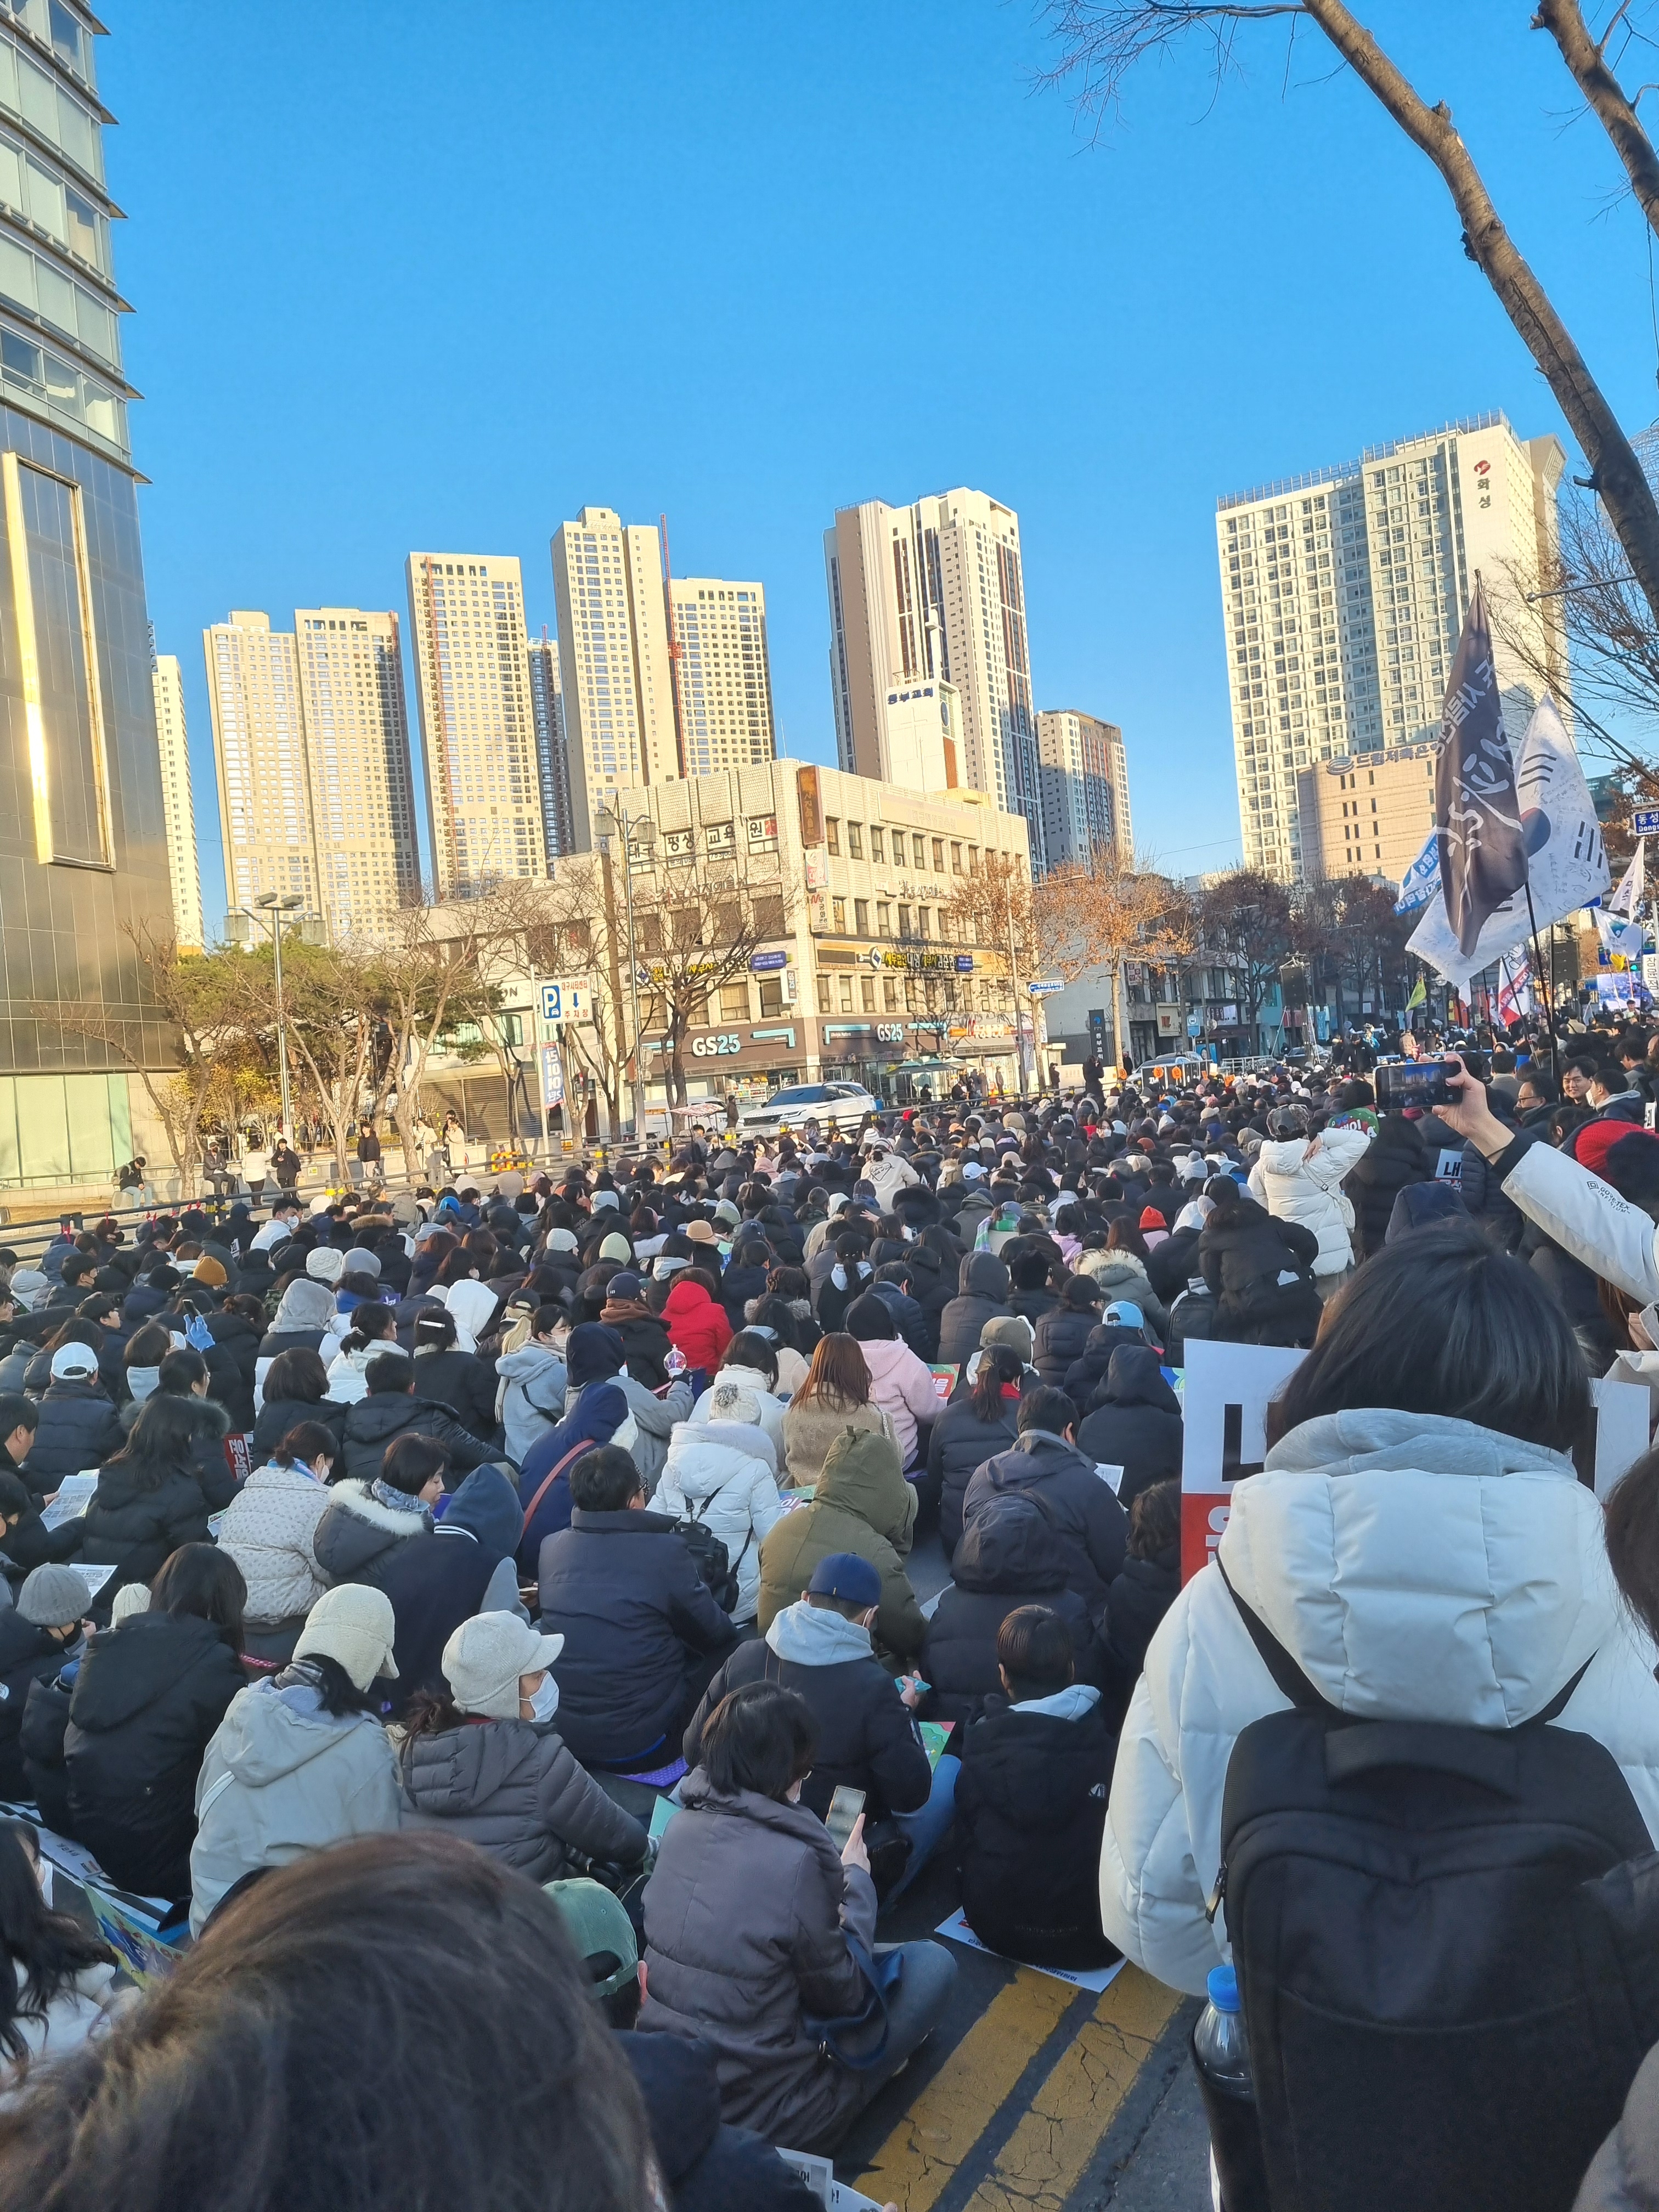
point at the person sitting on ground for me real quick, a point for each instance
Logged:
(532, 1380)
(269, 1529)
(1045, 1460)
(78, 1427)
(469, 1567)
(823, 1646)
(297, 1389)
(301, 1761)
(971, 1430)
(601, 1415)
(697, 1326)
(596, 1357)
(1037, 1766)
(365, 1523)
(28, 1542)
(1259, 1267)
(148, 1501)
(849, 1276)
(982, 1296)
(56, 1975)
(722, 1471)
(1136, 1423)
(1010, 1554)
(900, 1384)
(750, 1363)
(642, 1633)
(183, 1374)
(373, 1331)
(1140, 1595)
(481, 1758)
(364, 1949)
(459, 1380)
(38, 1635)
(1063, 1335)
(392, 1410)
(862, 1503)
(148, 1696)
(775, 1319)
(748, 1916)
(836, 1395)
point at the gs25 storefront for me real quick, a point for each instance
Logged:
(747, 1060)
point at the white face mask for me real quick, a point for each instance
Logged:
(545, 1702)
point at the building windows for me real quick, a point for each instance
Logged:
(823, 994)
(734, 1002)
(956, 859)
(832, 833)
(861, 916)
(844, 984)
(855, 841)
(771, 997)
(939, 856)
(884, 919)
(877, 842)
(867, 992)
(838, 915)
(51, 618)
(904, 922)
(889, 994)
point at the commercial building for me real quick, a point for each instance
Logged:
(722, 673)
(1366, 814)
(178, 806)
(1085, 789)
(924, 596)
(357, 733)
(867, 971)
(259, 762)
(1343, 591)
(552, 757)
(83, 854)
(615, 675)
(477, 731)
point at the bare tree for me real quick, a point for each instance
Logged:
(1246, 920)
(439, 970)
(1102, 40)
(697, 928)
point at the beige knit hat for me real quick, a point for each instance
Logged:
(354, 1625)
(325, 1264)
(485, 1658)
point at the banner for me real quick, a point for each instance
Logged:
(1632, 885)
(1622, 937)
(1513, 988)
(1567, 863)
(1422, 879)
(1477, 805)
(552, 1077)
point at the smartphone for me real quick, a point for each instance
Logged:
(1401, 1083)
(843, 1817)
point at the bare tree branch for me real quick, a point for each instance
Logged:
(1586, 58)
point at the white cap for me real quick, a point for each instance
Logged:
(485, 1657)
(354, 1625)
(72, 1359)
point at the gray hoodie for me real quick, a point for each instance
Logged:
(531, 1399)
(281, 1777)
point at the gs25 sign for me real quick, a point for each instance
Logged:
(715, 1047)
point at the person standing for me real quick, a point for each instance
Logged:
(256, 1170)
(285, 1166)
(368, 1154)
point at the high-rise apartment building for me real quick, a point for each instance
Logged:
(84, 855)
(356, 736)
(552, 757)
(616, 674)
(923, 595)
(259, 762)
(1343, 594)
(478, 733)
(1085, 789)
(723, 673)
(1367, 814)
(178, 807)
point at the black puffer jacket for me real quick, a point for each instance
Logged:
(1010, 1557)
(1136, 1423)
(1084, 1381)
(231, 1381)
(45, 1721)
(959, 1444)
(461, 1383)
(211, 1468)
(1030, 1813)
(708, 2167)
(1241, 1257)
(1139, 1599)
(79, 1429)
(1090, 1522)
(136, 1530)
(357, 1536)
(148, 1698)
(1394, 1158)
(981, 1294)
(1171, 1265)
(372, 1422)
(1062, 1336)
(28, 1655)
(278, 1415)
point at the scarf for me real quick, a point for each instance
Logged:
(395, 1501)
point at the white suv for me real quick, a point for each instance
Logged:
(844, 1104)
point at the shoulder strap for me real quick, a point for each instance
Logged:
(548, 1482)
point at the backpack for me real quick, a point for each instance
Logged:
(1191, 1320)
(709, 1556)
(1447, 1943)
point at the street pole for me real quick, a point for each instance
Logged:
(281, 1025)
(610, 884)
(1019, 1046)
(633, 977)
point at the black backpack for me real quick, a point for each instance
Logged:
(1447, 1942)
(1191, 1320)
(715, 1568)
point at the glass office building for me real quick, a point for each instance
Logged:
(83, 860)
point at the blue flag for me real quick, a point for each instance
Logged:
(1477, 807)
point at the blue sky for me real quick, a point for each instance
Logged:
(411, 275)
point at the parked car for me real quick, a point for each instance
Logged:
(799, 1102)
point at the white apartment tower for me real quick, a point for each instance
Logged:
(1085, 789)
(477, 731)
(178, 807)
(259, 760)
(920, 597)
(1343, 593)
(351, 687)
(615, 675)
(552, 756)
(723, 673)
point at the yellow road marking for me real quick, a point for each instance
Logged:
(1043, 2161)
(920, 2157)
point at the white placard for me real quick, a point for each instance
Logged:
(1623, 1411)
(1225, 1400)
(1096, 1979)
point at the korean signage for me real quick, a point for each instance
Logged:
(566, 1001)
(552, 1077)
(924, 964)
(764, 963)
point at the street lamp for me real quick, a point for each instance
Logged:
(612, 821)
(275, 905)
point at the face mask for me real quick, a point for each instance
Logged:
(545, 1702)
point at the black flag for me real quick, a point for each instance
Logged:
(1477, 808)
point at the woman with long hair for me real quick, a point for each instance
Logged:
(971, 1430)
(148, 1500)
(836, 1395)
(56, 1976)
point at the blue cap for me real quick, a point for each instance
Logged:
(845, 1576)
(1124, 1314)
(1222, 1983)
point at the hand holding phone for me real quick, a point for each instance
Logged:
(845, 1813)
(852, 1851)
(1468, 1112)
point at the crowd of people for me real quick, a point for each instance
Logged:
(540, 1563)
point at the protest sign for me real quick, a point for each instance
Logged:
(1227, 1390)
(1618, 1433)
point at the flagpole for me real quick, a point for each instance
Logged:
(1541, 972)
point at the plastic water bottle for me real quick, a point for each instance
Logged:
(1221, 2054)
(674, 1363)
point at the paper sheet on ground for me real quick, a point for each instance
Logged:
(1094, 1977)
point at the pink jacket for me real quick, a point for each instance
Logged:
(902, 1386)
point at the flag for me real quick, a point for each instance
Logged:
(1422, 879)
(1419, 996)
(1567, 862)
(1477, 805)
(1632, 885)
(1621, 936)
(1513, 988)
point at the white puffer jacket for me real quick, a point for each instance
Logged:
(771, 1406)
(269, 1528)
(1416, 1568)
(730, 1474)
(1296, 1183)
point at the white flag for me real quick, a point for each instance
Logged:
(1567, 864)
(1632, 885)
